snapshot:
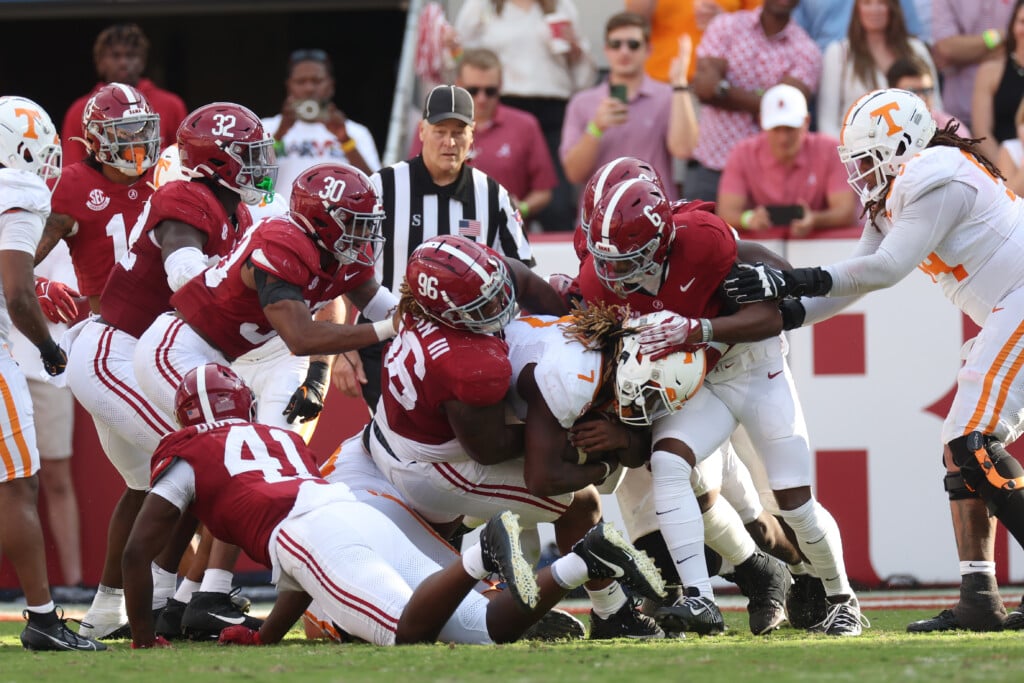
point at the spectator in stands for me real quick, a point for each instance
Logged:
(827, 21)
(857, 64)
(651, 121)
(120, 53)
(1011, 155)
(999, 88)
(670, 19)
(786, 166)
(914, 75)
(741, 55)
(966, 34)
(540, 71)
(311, 129)
(508, 144)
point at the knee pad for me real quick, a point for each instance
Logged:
(955, 487)
(991, 472)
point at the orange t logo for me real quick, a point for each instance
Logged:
(32, 115)
(885, 111)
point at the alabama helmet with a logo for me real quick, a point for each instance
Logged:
(881, 131)
(212, 392)
(340, 209)
(28, 139)
(121, 129)
(226, 143)
(462, 284)
(630, 234)
(646, 389)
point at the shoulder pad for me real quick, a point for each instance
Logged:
(283, 250)
(23, 190)
(927, 170)
(188, 202)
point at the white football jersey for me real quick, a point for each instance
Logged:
(567, 373)
(27, 192)
(977, 259)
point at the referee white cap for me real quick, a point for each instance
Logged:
(448, 102)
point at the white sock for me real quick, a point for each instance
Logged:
(107, 598)
(164, 583)
(185, 590)
(217, 581)
(819, 538)
(570, 571)
(473, 562)
(977, 567)
(725, 533)
(679, 518)
(608, 600)
(41, 609)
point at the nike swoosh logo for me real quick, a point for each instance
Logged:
(665, 512)
(683, 288)
(685, 559)
(349, 276)
(699, 610)
(228, 620)
(773, 375)
(616, 569)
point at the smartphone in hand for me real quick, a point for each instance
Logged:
(619, 93)
(784, 214)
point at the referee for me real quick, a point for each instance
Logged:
(436, 193)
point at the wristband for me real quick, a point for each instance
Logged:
(348, 145)
(279, 147)
(318, 373)
(991, 38)
(706, 332)
(745, 218)
(384, 329)
(524, 209)
(594, 130)
(685, 87)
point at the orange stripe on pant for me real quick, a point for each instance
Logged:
(19, 439)
(991, 376)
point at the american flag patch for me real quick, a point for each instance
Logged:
(469, 228)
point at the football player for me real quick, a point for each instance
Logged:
(325, 545)
(936, 203)
(644, 253)
(224, 149)
(29, 168)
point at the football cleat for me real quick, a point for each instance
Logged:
(610, 556)
(943, 621)
(555, 625)
(1015, 619)
(503, 555)
(980, 608)
(168, 621)
(842, 618)
(55, 636)
(805, 602)
(764, 581)
(692, 613)
(208, 613)
(628, 622)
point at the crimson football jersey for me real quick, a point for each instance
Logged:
(137, 290)
(699, 258)
(228, 313)
(247, 477)
(108, 217)
(428, 364)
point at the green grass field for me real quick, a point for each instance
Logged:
(884, 653)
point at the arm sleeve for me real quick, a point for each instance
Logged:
(177, 485)
(20, 231)
(921, 225)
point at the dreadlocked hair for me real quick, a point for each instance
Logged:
(946, 137)
(408, 304)
(601, 327)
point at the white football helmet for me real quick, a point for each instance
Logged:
(28, 139)
(646, 390)
(168, 168)
(881, 131)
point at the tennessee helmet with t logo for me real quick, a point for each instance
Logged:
(28, 139)
(881, 131)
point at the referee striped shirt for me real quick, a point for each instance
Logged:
(474, 206)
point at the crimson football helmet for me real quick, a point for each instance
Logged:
(213, 392)
(121, 129)
(610, 175)
(339, 208)
(462, 284)
(630, 234)
(226, 142)
(28, 139)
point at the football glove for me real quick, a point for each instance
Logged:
(53, 357)
(671, 335)
(57, 300)
(239, 635)
(308, 400)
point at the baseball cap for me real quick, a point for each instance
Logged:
(448, 102)
(783, 105)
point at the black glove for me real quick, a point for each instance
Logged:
(793, 313)
(54, 358)
(308, 399)
(760, 282)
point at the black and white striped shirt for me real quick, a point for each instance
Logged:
(418, 209)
